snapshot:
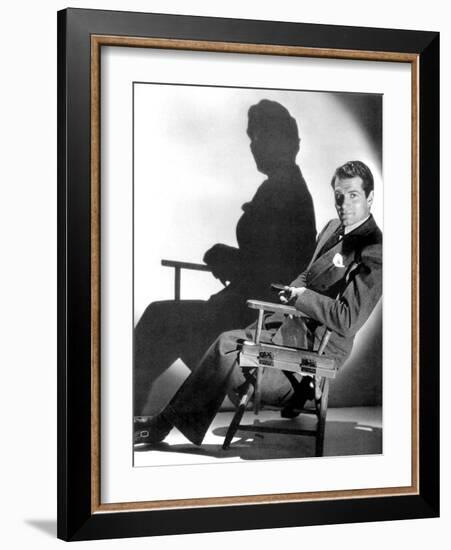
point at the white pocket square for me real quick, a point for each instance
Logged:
(338, 260)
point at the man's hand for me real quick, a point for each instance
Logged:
(290, 294)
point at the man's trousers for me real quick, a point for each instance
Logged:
(197, 401)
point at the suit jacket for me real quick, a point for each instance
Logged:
(325, 278)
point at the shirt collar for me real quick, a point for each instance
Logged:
(350, 228)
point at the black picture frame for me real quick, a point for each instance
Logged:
(78, 516)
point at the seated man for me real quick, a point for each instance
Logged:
(353, 239)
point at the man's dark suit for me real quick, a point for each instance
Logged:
(196, 403)
(324, 280)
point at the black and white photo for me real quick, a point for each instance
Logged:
(237, 189)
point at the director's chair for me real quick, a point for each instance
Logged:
(256, 356)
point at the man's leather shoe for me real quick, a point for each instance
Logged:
(304, 392)
(150, 430)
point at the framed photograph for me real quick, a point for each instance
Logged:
(248, 274)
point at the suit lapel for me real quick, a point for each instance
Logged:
(325, 236)
(326, 267)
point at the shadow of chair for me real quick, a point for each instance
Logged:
(343, 438)
(178, 266)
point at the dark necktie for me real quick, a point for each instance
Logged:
(332, 240)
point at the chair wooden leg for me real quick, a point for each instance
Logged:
(257, 393)
(322, 413)
(248, 390)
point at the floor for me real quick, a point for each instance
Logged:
(349, 431)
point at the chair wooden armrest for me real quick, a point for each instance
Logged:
(275, 308)
(178, 266)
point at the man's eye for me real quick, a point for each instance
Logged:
(353, 195)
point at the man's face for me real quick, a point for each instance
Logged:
(350, 200)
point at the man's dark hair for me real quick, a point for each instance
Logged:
(352, 169)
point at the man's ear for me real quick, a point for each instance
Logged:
(370, 198)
